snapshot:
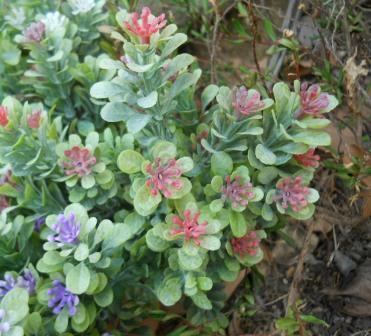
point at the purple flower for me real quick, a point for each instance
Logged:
(39, 222)
(7, 284)
(237, 192)
(291, 192)
(246, 101)
(62, 297)
(4, 326)
(67, 229)
(35, 32)
(27, 281)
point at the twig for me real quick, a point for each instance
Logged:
(254, 28)
(214, 40)
(334, 32)
(293, 292)
(276, 61)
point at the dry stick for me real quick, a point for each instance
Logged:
(254, 28)
(214, 40)
(293, 292)
(276, 60)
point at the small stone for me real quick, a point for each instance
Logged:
(343, 263)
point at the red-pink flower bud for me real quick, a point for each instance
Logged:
(146, 26)
(189, 227)
(308, 159)
(78, 161)
(291, 192)
(248, 244)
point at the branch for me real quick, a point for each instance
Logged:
(254, 28)
(214, 40)
(293, 292)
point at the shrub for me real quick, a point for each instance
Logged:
(162, 198)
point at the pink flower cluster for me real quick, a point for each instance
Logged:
(35, 32)
(291, 192)
(308, 159)
(147, 26)
(164, 176)
(78, 161)
(189, 227)
(313, 102)
(246, 245)
(3, 116)
(34, 119)
(243, 104)
(237, 192)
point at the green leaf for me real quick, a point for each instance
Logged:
(15, 303)
(216, 205)
(174, 43)
(137, 122)
(201, 301)
(210, 243)
(105, 89)
(183, 82)
(116, 111)
(170, 292)
(148, 101)
(265, 155)
(313, 195)
(139, 68)
(217, 183)
(164, 150)
(204, 283)
(61, 322)
(144, 202)
(221, 164)
(130, 161)
(304, 214)
(82, 252)
(87, 181)
(178, 63)
(208, 95)
(135, 222)
(268, 28)
(104, 298)
(185, 164)
(156, 243)
(267, 175)
(313, 138)
(238, 223)
(189, 262)
(119, 234)
(78, 279)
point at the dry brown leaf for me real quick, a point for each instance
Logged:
(352, 71)
(359, 288)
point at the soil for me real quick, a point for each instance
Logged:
(336, 283)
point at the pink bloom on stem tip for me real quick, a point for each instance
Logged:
(237, 192)
(79, 161)
(164, 176)
(147, 25)
(291, 192)
(35, 32)
(34, 119)
(3, 116)
(308, 159)
(248, 244)
(313, 102)
(190, 227)
(244, 102)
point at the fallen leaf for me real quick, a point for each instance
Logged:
(358, 290)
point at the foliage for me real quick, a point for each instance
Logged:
(122, 188)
